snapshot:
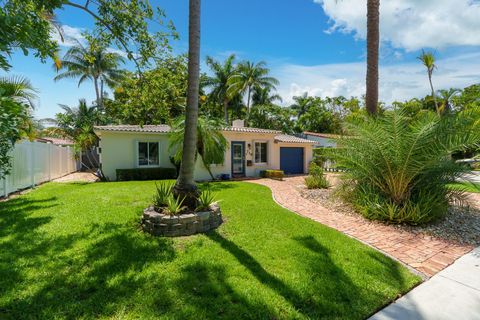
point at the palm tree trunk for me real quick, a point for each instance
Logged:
(97, 92)
(433, 93)
(101, 92)
(248, 99)
(185, 187)
(373, 43)
(225, 109)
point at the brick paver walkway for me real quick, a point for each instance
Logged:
(425, 254)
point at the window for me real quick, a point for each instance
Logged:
(261, 152)
(148, 154)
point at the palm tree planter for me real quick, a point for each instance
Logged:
(158, 223)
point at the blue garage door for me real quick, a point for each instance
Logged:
(291, 160)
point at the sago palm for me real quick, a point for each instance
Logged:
(250, 75)
(92, 62)
(398, 169)
(222, 72)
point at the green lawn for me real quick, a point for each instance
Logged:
(76, 251)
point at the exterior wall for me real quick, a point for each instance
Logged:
(322, 142)
(118, 151)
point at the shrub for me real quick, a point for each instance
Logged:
(272, 174)
(398, 169)
(205, 199)
(316, 178)
(174, 206)
(162, 193)
(141, 174)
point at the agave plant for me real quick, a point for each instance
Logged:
(398, 170)
(174, 206)
(162, 194)
(205, 200)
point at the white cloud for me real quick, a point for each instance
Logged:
(70, 35)
(399, 81)
(411, 24)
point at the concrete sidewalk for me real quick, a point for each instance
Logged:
(453, 293)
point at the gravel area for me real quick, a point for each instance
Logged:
(461, 225)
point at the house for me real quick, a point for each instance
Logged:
(322, 140)
(250, 151)
(64, 142)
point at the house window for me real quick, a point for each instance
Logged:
(148, 154)
(261, 152)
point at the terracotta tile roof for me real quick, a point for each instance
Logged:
(57, 141)
(251, 130)
(162, 128)
(292, 139)
(322, 135)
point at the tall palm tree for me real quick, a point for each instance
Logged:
(302, 104)
(94, 63)
(428, 60)
(219, 81)
(446, 96)
(373, 43)
(250, 75)
(264, 96)
(211, 144)
(185, 186)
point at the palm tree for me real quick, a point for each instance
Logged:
(211, 144)
(302, 104)
(446, 96)
(219, 81)
(185, 187)
(428, 60)
(18, 89)
(373, 43)
(250, 75)
(93, 63)
(264, 96)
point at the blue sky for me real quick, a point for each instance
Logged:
(314, 46)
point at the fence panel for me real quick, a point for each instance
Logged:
(37, 162)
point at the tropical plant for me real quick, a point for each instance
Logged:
(174, 205)
(92, 62)
(205, 200)
(163, 191)
(271, 117)
(428, 60)
(373, 44)
(302, 104)
(16, 95)
(211, 144)
(264, 96)
(249, 76)
(316, 178)
(446, 97)
(219, 81)
(185, 187)
(398, 169)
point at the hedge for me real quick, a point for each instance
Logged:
(146, 174)
(272, 174)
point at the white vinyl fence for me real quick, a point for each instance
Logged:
(37, 162)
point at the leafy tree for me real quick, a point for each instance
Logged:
(264, 96)
(211, 144)
(373, 44)
(219, 81)
(302, 104)
(16, 96)
(319, 119)
(27, 25)
(468, 98)
(94, 63)
(272, 117)
(446, 97)
(185, 187)
(154, 98)
(428, 60)
(249, 76)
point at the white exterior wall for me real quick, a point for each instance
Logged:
(36, 162)
(119, 151)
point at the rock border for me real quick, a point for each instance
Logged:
(159, 224)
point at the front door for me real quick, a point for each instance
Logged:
(238, 158)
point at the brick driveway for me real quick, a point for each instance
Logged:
(422, 252)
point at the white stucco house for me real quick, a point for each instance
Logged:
(250, 150)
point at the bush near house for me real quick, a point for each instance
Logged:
(142, 174)
(272, 174)
(316, 178)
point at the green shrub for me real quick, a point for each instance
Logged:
(316, 178)
(141, 174)
(205, 200)
(162, 193)
(272, 174)
(398, 169)
(174, 206)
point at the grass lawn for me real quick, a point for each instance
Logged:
(76, 251)
(466, 186)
